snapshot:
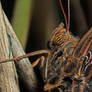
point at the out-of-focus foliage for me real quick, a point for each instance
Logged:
(21, 19)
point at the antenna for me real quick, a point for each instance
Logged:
(68, 14)
(67, 24)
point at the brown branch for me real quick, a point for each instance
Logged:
(8, 75)
(27, 74)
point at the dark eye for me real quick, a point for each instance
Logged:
(48, 45)
(51, 45)
(60, 53)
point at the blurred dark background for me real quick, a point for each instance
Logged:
(45, 15)
(35, 20)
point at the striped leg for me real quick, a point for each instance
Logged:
(41, 59)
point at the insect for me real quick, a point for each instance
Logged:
(82, 78)
(67, 66)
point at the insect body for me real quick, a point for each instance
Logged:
(62, 44)
(70, 71)
(77, 70)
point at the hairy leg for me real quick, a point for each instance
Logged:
(26, 56)
(41, 59)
